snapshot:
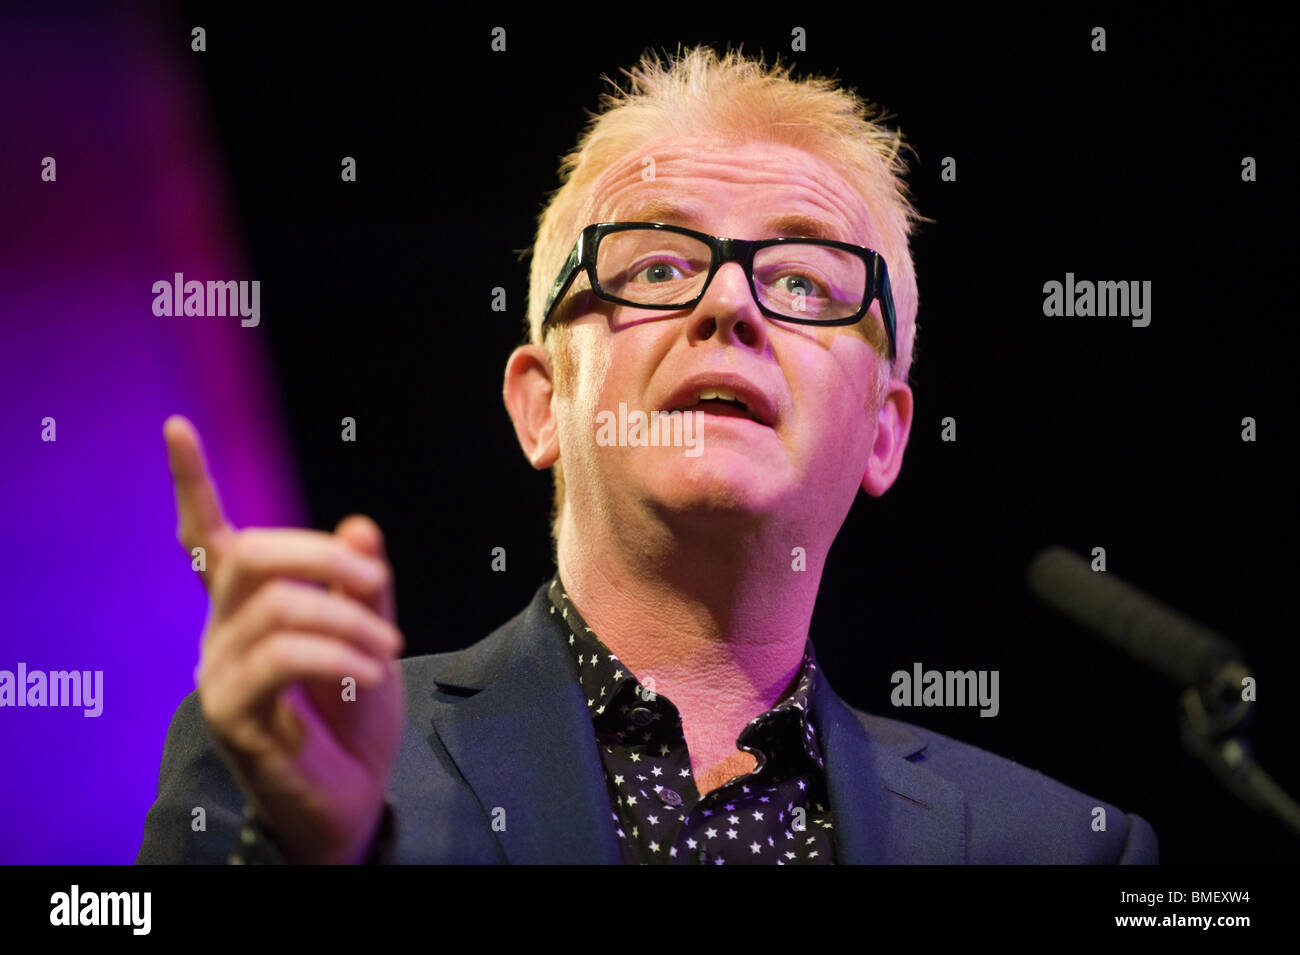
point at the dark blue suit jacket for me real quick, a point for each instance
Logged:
(503, 725)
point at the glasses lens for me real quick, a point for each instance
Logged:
(652, 266)
(806, 280)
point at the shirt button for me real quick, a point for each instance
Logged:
(701, 856)
(670, 797)
(641, 716)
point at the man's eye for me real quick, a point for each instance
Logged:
(658, 272)
(797, 285)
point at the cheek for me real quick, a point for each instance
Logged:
(835, 414)
(826, 397)
(632, 358)
(591, 363)
(577, 401)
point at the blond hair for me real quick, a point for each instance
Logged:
(700, 91)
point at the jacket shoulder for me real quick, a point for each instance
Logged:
(1014, 813)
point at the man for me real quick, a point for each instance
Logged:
(728, 257)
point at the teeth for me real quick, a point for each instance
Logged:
(722, 393)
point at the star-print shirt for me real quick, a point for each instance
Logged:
(776, 815)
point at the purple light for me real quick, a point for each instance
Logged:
(93, 578)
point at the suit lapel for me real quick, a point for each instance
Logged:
(886, 809)
(513, 719)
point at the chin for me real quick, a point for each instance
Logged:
(716, 490)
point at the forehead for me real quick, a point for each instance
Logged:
(732, 188)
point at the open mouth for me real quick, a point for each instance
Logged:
(718, 401)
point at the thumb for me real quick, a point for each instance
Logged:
(364, 536)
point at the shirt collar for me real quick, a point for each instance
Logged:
(610, 687)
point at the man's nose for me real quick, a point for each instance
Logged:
(728, 309)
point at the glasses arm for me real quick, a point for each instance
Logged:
(565, 278)
(887, 310)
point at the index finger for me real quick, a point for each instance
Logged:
(199, 517)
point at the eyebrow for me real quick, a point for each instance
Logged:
(673, 212)
(796, 224)
(661, 209)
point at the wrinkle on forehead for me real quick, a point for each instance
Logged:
(684, 166)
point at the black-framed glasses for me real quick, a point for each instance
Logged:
(654, 265)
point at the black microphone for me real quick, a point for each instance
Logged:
(1213, 714)
(1143, 627)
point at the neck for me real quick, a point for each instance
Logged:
(719, 621)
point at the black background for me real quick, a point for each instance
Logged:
(1123, 165)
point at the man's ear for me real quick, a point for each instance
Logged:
(527, 392)
(893, 426)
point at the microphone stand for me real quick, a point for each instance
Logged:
(1212, 720)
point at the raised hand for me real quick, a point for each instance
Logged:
(294, 615)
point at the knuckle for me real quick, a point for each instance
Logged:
(245, 549)
(284, 604)
(276, 654)
(275, 658)
(212, 705)
(210, 643)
